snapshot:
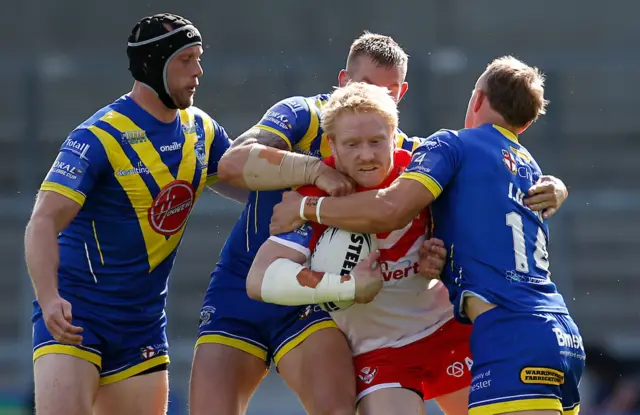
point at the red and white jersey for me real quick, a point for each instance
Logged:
(409, 306)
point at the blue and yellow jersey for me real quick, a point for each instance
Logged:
(297, 121)
(498, 246)
(137, 180)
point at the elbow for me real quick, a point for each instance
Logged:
(231, 166)
(254, 285)
(228, 169)
(39, 224)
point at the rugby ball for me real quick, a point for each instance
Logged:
(337, 252)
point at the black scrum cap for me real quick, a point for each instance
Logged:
(152, 45)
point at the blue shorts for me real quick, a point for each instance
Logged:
(267, 331)
(525, 362)
(117, 345)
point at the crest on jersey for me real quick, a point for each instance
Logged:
(171, 208)
(147, 352)
(201, 154)
(367, 374)
(304, 314)
(509, 161)
(205, 314)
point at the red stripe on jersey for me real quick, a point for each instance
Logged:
(419, 228)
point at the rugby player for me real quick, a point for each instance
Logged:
(528, 353)
(239, 337)
(106, 226)
(405, 339)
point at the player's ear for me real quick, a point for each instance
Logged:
(343, 78)
(403, 90)
(479, 100)
(332, 144)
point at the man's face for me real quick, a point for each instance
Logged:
(363, 147)
(363, 69)
(182, 76)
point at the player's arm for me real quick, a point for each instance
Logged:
(51, 214)
(278, 274)
(433, 165)
(262, 157)
(79, 162)
(219, 145)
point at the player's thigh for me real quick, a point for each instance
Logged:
(454, 403)
(58, 376)
(223, 379)
(231, 351)
(319, 369)
(392, 401)
(144, 394)
(449, 363)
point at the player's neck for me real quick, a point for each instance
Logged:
(496, 120)
(149, 101)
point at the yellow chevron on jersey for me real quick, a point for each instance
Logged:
(159, 246)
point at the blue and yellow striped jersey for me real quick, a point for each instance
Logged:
(497, 246)
(297, 121)
(137, 180)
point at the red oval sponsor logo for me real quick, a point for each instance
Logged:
(170, 209)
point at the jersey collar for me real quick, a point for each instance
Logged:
(508, 134)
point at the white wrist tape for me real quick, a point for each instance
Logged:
(318, 210)
(280, 286)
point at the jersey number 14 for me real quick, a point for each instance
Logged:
(540, 255)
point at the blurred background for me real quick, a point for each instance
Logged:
(63, 60)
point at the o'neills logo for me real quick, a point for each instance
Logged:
(170, 209)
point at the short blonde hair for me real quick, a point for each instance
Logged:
(381, 49)
(515, 90)
(358, 97)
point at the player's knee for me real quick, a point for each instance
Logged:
(334, 401)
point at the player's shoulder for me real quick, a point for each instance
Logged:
(295, 104)
(205, 117)
(439, 138)
(111, 110)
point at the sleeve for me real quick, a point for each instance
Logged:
(289, 119)
(219, 145)
(303, 238)
(79, 164)
(435, 161)
(299, 239)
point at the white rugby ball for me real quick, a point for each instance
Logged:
(337, 252)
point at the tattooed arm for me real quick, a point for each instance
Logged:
(262, 157)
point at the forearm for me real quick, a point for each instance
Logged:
(365, 212)
(42, 257)
(238, 194)
(254, 166)
(286, 282)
